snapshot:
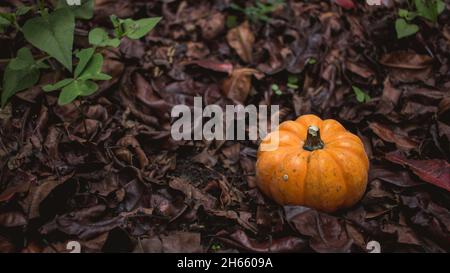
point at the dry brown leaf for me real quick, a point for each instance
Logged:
(237, 87)
(406, 60)
(242, 39)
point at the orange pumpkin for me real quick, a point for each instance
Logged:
(316, 163)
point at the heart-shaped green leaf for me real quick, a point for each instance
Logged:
(405, 29)
(93, 70)
(429, 9)
(84, 56)
(99, 37)
(53, 33)
(138, 29)
(21, 73)
(75, 89)
(361, 96)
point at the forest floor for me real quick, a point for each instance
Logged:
(105, 171)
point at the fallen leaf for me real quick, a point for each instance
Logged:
(406, 60)
(39, 192)
(347, 4)
(214, 65)
(238, 86)
(393, 136)
(327, 234)
(240, 239)
(242, 39)
(192, 192)
(181, 242)
(213, 25)
(434, 171)
(12, 219)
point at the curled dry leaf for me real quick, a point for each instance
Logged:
(6, 246)
(408, 66)
(39, 192)
(12, 219)
(240, 240)
(406, 60)
(83, 224)
(214, 65)
(238, 86)
(192, 192)
(242, 39)
(132, 142)
(326, 232)
(212, 26)
(434, 171)
(400, 139)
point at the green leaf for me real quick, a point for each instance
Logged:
(21, 73)
(99, 37)
(93, 70)
(84, 56)
(292, 81)
(403, 13)
(22, 10)
(361, 96)
(118, 30)
(88, 88)
(75, 89)
(101, 77)
(53, 34)
(429, 9)
(276, 89)
(84, 11)
(6, 18)
(69, 93)
(23, 60)
(57, 86)
(231, 21)
(89, 68)
(311, 61)
(405, 29)
(138, 29)
(4, 23)
(440, 6)
(408, 15)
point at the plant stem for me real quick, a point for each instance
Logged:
(41, 5)
(313, 140)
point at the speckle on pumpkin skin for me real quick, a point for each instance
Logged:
(285, 177)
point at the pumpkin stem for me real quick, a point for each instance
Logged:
(313, 141)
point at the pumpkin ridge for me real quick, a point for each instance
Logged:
(347, 136)
(276, 181)
(302, 183)
(292, 135)
(273, 178)
(343, 174)
(355, 152)
(310, 202)
(288, 126)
